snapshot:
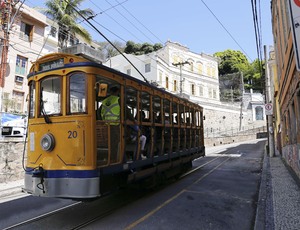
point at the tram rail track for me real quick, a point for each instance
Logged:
(104, 210)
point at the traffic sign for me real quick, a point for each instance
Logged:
(269, 109)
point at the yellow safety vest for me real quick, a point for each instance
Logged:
(111, 109)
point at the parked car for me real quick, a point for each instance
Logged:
(13, 125)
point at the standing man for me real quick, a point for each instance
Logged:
(110, 111)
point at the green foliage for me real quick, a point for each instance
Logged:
(255, 77)
(65, 14)
(139, 49)
(108, 51)
(232, 61)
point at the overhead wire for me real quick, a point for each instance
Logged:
(227, 31)
(87, 24)
(130, 22)
(78, 12)
(258, 35)
(140, 22)
(120, 3)
(93, 18)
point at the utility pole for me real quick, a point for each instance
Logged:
(242, 102)
(5, 20)
(269, 101)
(180, 64)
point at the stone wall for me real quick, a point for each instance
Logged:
(11, 158)
(214, 141)
(227, 120)
(11, 154)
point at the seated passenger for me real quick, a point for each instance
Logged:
(134, 130)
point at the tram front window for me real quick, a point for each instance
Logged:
(77, 93)
(31, 99)
(50, 96)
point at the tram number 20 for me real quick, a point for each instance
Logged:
(72, 134)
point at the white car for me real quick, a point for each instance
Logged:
(14, 128)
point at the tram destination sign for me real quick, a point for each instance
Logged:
(51, 64)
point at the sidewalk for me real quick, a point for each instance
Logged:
(279, 197)
(11, 189)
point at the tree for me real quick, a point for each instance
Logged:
(232, 61)
(233, 65)
(64, 12)
(139, 49)
(108, 51)
(255, 77)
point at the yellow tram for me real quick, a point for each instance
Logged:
(72, 152)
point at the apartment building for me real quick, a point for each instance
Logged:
(26, 39)
(176, 69)
(287, 84)
(31, 35)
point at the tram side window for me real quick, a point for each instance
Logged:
(167, 112)
(198, 118)
(131, 103)
(77, 93)
(50, 98)
(181, 114)
(157, 109)
(145, 107)
(31, 99)
(188, 116)
(174, 113)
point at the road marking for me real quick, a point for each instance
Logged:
(134, 224)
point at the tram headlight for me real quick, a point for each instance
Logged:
(48, 142)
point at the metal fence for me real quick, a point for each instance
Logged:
(210, 132)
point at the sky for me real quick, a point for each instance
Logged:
(203, 26)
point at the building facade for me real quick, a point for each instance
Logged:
(194, 76)
(30, 35)
(286, 87)
(176, 69)
(26, 37)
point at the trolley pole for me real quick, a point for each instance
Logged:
(269, 101)
(180, 64)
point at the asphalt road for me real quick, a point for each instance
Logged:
(220, 193)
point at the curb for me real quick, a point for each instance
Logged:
(260, 218)
(11, 191)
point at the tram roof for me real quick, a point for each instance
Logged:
(85, 62)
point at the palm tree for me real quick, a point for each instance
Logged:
(66, 13)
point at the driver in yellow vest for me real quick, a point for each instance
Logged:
(110, 111)
(111, 107)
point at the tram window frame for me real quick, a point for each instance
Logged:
(85, 98)
(192, 114)
(197, 118)
(32, 99)
(104, 80)
(175, 120)
(145, 106)
(133, 107)
(167, 111)
(181, 114)
(157, 109)
(42, 109)
(188, 116)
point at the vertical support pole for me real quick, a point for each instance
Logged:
(269, 100)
